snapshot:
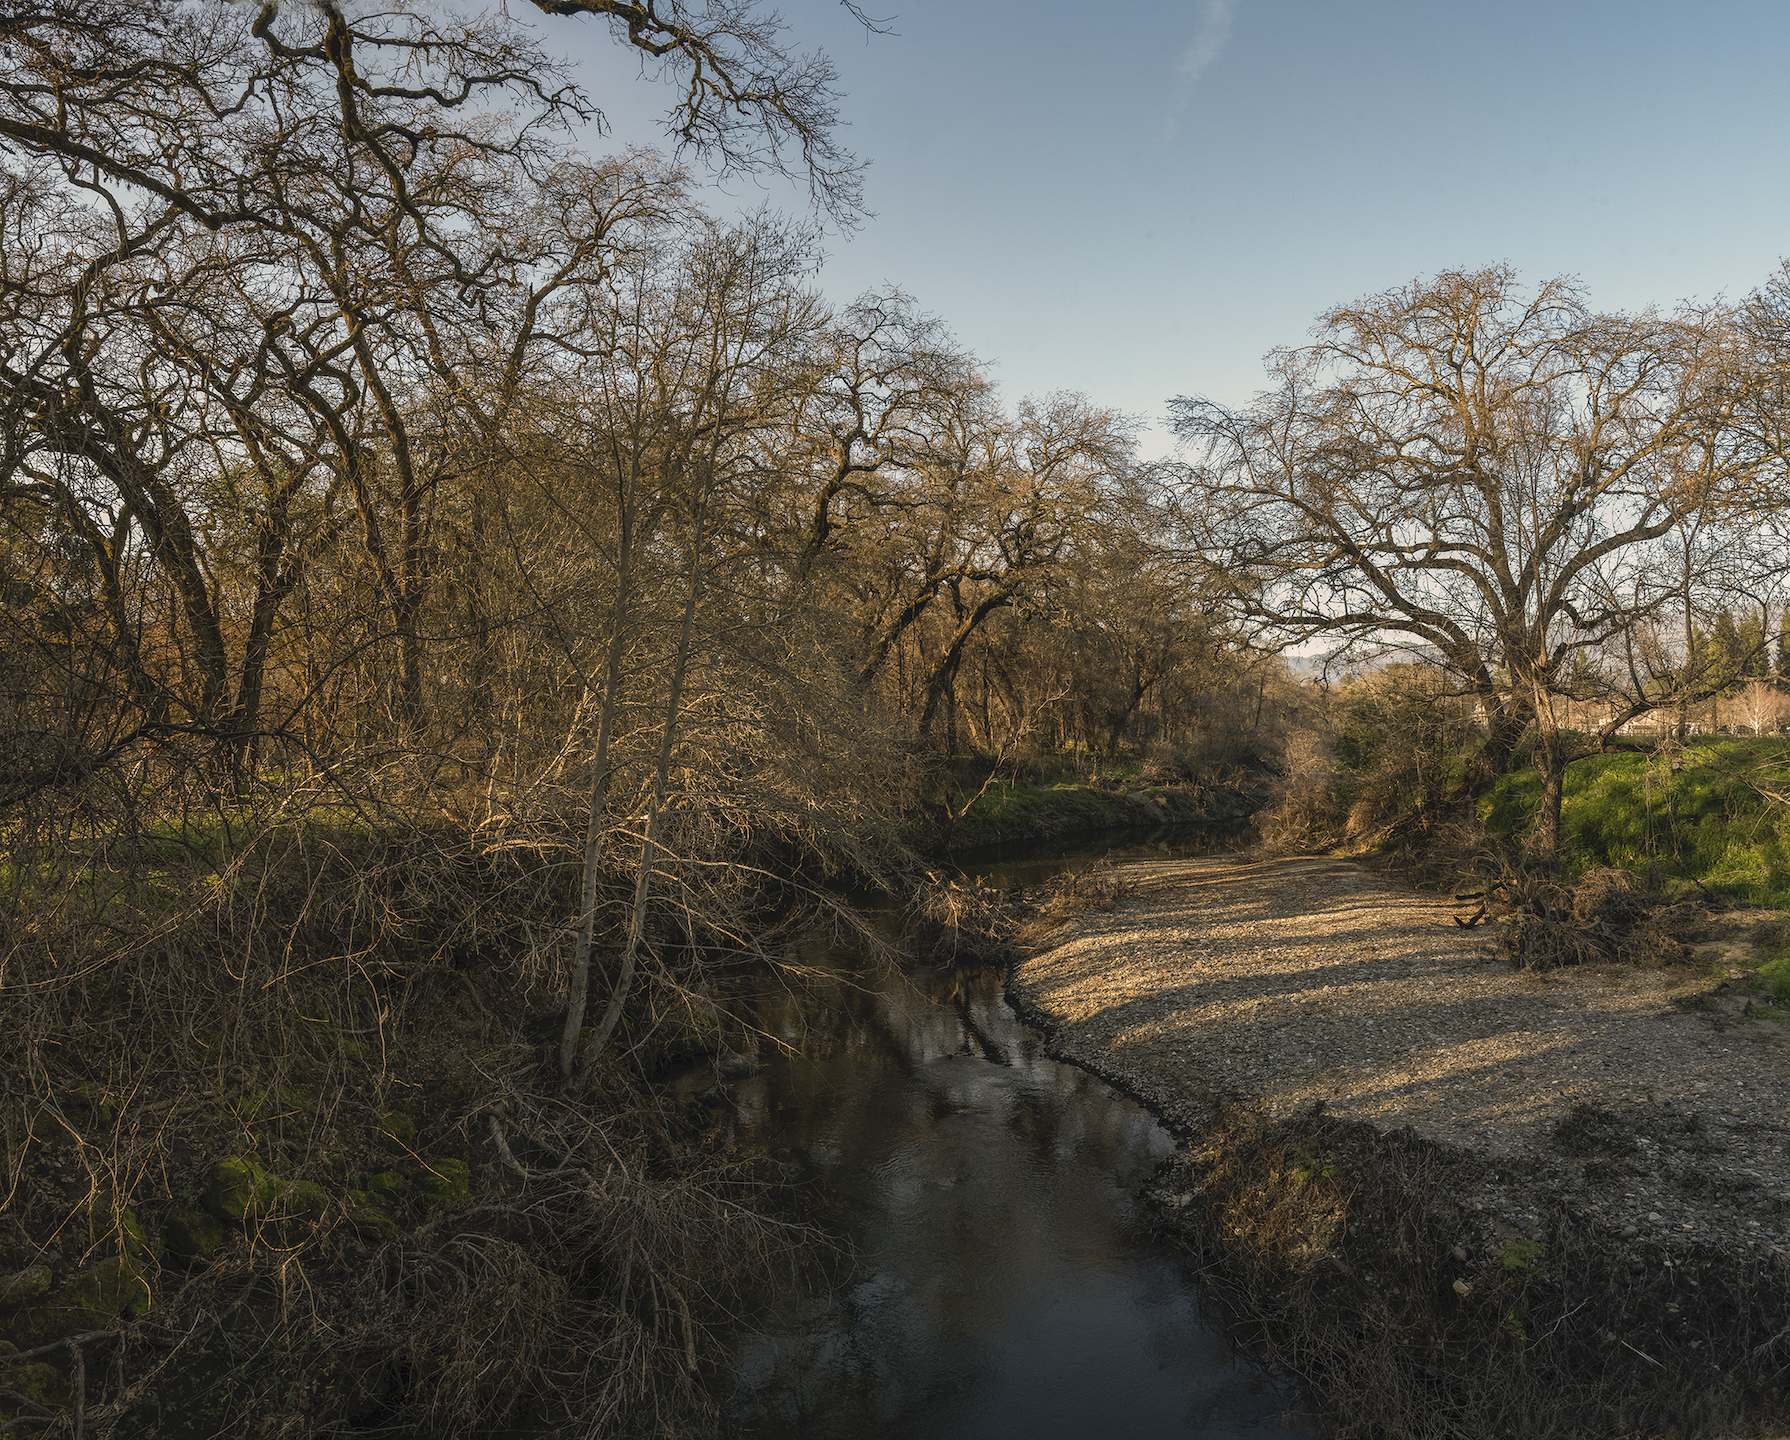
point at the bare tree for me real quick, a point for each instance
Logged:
(1484, 475)
(1762, 706)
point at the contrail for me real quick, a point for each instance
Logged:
(1208, 41)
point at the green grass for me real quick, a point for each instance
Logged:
(1625, 810)
(1007, 804)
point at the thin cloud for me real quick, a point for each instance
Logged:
(1207, 44)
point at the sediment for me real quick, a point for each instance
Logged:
(1453, 1198)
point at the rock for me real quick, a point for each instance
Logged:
(305, 1198)
(1461, 1287)
(396, 1132)
(24, 1287)
(37, 1381)
(301, 1209)
(445, 1182)
(241, 1190)
(191, 1234)
(93, 1300)
(388, 1187)
(1459, 1252)
(136, 1239)
(370, 1219)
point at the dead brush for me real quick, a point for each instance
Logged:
(958, 922)
(276, 997)
(1337, 1251)
(1099, 886)
(1602, 918)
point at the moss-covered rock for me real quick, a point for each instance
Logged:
(88, 1106)
(388, 1187)
(370, 1219)
(137, 1240)
(240, 1190)
(24, 1286)
(92, 1300)
(302, 1207)
(396, 1132)
(191, 1234)
(444, 1182)
(38, 1381)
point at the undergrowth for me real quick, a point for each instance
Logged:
(283, 1147)
(1347, 1258)
(1696, 814)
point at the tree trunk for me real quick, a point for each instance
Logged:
(599, 794)
(649, 850)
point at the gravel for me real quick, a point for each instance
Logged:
(1651, 1101)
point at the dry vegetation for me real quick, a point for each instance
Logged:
(459, 600)
(1347, 1258)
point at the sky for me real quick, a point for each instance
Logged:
(1141, 201)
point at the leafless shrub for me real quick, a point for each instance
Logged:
(1300, 815)
(959, 922)
(1600, 919)
(1099, 886)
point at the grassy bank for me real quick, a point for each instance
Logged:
(1695, 815)
(1700, 817)
(1124, 794)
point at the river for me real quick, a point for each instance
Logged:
(1001, 1280)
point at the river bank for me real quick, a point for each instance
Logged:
(1019, 813)
(1457, 1199)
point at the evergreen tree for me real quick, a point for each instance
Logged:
(1755, 650)
(1727, 656)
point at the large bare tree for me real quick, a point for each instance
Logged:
(1488, 475)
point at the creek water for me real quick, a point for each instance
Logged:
(1001, 1280)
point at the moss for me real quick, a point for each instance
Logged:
(91, 1301)
(24, 1286)
(388, 1186)
(303, 1204)
(240, 1190)
(136, 1239)
(396, 1132)
(37, 1381)
(445, 1182)
(370, 1219)
(191, 1234)
(88, 1105)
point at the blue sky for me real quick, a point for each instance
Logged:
(1140, 201)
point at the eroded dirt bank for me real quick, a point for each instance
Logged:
(1459, 1199)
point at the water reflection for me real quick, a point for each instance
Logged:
(1001, 1284)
